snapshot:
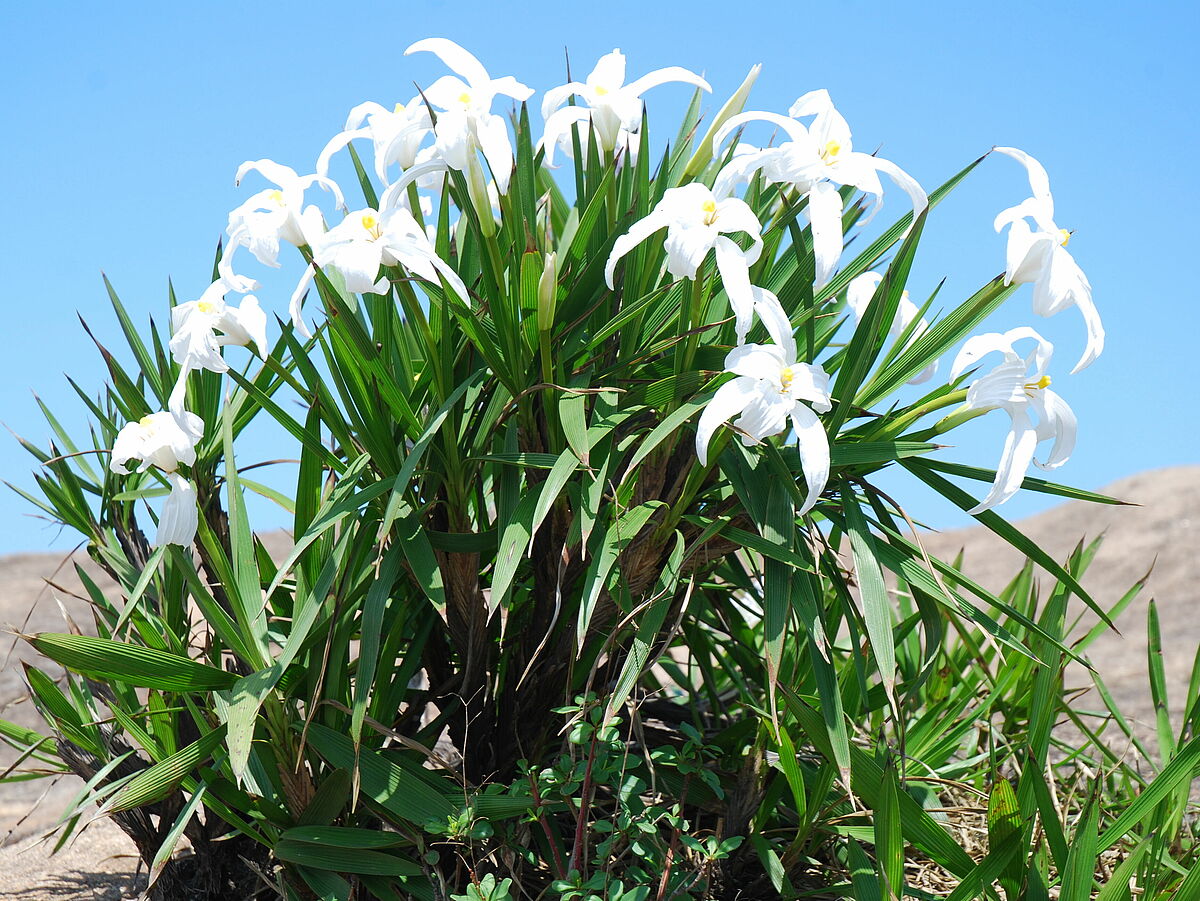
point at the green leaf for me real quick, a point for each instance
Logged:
(107, 660)
(387, 572)
(889, 837)
(1174, 774)
(1010, 533)
(877, 603)
(344, 837)
(649, 623)
(869, 337)
(934, 342)
(564, 467)
(516, 537)
(344, 859)
(1081, 858)
(396, 784)
(162, 778)
(572, 414)
(1030, 483)
(1003, 822)
(167, 848)
(1158, 682)
(611, 540)
(862, 874)
(920, 829)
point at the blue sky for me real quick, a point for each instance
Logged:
(124, 124)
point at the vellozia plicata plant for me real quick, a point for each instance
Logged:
(585, 501)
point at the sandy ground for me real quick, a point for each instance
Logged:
(98, 865)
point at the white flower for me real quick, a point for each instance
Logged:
(858, 297)
(271, 216)
(697, 221)
(195, 343)
(1019, 386)
(1039, 256)
(164, 440)
(771, 390)
(179, 518)
(367, 240)
(396, 134)
(161, 439)
(466, 122)
(612, 105)
(814, 161)
(558, 137)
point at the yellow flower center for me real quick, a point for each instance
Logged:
(276, 197)
(464, 98)
(601, 91)
(146, 421)
(370, 223)
(399, 108)
(1043, 382)
(832, 149)
(786, 375)
(205, 306)
(710, 211)
(1064, 237)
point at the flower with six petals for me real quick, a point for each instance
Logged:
(1019, 386)
(1039, 256)
(164, 440)
(772, 390)
(697, 221)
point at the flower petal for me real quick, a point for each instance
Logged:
(251, 321)
(638, 232)
(860, 291)
(663, 76)
(813, 444)
(729, 400)
(687, 247)
(497, 149)
(455, 57)
(281, 175)
(793, 129)
(776, 320)
(735, 276)
(336, 143)
(297, 299)
(756, 361)
(1055, 420)
(825, 215)
(1039, 181)
(1019, 447)
(394, 196)
(179, 519)
(906, 183)
(558, 127)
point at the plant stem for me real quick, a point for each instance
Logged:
(584, 805)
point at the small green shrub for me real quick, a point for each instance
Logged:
(545, 630)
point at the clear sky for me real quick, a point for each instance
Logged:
(123, 125)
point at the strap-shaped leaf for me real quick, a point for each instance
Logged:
(104, 659)
(162, 778)
(398, 785)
